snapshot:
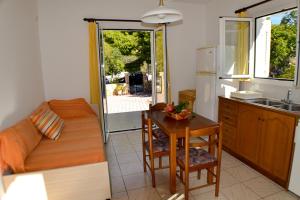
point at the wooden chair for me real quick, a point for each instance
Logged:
(157, 132)
(193, 157)
(152, 148)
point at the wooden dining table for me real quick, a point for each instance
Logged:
(175, 129)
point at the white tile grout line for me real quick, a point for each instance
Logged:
(243, 182)
(119, 167)
(256, 192)
(259, 175)
(131, 174)
(145, 173)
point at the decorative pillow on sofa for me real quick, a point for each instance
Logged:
(16, 143)
(48, 123)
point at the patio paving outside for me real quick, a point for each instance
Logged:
(128, 103)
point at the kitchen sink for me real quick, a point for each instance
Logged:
(291, 107)
(276, 104)
(266, 102)
(269, 102)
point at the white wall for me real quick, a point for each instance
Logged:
(215, 9)
(21, 82)
(64, 41)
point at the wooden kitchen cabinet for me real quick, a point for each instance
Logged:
(261, 137)
(249, 130)
(276, 144)
(229, 137)
(228, 115)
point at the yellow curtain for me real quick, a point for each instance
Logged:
(95, 94)
(94, 65)
(242, 53)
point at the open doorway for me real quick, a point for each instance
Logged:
(133, 70)
(128, 71)
(128, 76)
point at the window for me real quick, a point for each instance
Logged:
(235, 43)
(276, 45)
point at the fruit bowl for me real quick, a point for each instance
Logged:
(178, 112)
(179, 116)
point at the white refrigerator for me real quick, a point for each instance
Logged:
(206, 77)
(294, 185)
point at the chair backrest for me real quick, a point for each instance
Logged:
(215, 135)
(155, 107)
(147, 126)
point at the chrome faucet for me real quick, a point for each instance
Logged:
(288, 97)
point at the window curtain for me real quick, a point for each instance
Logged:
(242, 53)
(95, 95)
(94, 65)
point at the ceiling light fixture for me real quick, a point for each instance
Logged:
(161, 15)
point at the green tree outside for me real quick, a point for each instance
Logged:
(126, 51)
(283, 47)
(114, 61)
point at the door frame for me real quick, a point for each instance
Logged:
(101, 30)
(153, 60)
(103, 105)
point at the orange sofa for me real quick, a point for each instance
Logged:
(24, 149)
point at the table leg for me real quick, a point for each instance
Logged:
(172, 163)
(211, 150)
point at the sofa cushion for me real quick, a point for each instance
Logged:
(68, 109)
(80, 143)
(16, 143)
(48, 123)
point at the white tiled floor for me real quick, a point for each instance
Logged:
(129, 182)
(127, 103)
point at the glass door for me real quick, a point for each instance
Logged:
(103, 110)
(160, 83)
